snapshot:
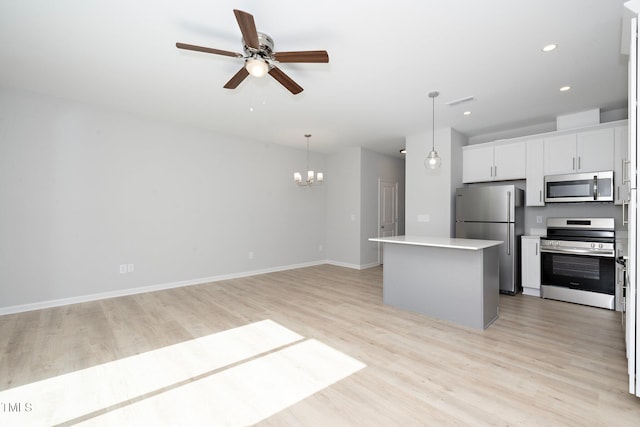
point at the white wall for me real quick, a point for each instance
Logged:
(343, 207)
(430, 193)
(84, 190)
(352, 204)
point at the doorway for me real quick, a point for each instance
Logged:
(387, 211)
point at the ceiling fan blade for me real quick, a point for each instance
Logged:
(285, 80)
(207, 50)
(303, 56)
(237, 79)
(248, 28)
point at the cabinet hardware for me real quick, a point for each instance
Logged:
(625, 168)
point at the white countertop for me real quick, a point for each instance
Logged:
(440, 242)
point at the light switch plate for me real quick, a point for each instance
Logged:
(424, 218)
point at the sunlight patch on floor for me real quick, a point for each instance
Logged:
(161, 387)
(241, 395)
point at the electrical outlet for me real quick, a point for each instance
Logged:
(123, 268)
(539, 219)
(250, 255)
(129, 268)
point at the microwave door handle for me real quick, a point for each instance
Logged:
(595, 187)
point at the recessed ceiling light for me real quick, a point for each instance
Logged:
(467, 113)
(549, 47)
(565, 88)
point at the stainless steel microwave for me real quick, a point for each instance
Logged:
(579, 187)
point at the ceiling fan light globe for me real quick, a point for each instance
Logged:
(257, 67)
(432, 161)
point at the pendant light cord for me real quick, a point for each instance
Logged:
(308, 136)
(433, 95)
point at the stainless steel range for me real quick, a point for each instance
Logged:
(578, 261)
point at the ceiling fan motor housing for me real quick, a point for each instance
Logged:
(266, 47)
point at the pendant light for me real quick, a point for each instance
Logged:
(433, 161)
(312, 177)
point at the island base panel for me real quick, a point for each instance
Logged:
(461, 286)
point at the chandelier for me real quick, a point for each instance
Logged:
(312, 177)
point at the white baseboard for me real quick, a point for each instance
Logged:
(354, 266)
(531, 291)
(139, 290)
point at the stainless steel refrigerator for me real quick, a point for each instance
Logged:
(494, 213)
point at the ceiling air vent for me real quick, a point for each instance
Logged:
(460, 101)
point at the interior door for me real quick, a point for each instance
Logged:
(387, 211)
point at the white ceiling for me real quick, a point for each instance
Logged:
(385, 57)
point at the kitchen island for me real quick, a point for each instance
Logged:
(449, 278)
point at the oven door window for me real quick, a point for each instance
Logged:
(588, 273)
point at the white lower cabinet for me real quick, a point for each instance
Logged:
(530, 263)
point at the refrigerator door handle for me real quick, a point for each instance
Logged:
(508, 222)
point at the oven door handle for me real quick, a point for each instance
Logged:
(590, 252)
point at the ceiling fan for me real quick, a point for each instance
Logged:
(259, 57)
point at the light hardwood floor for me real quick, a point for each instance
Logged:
(542, 362)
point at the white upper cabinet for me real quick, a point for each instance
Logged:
(588, 151)
(595, 150)
(600, 148)
(510, 160)
(477, 164)
(621, 166)
(489, 162)
(534, 193)
(560, 154)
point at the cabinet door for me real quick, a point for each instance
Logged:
(620, 169)
(595, 150)
(560, 154)
(535, 173)
(530, 265)
(477, 164)
(509, 161)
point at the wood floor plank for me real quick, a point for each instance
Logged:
(542, 362)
